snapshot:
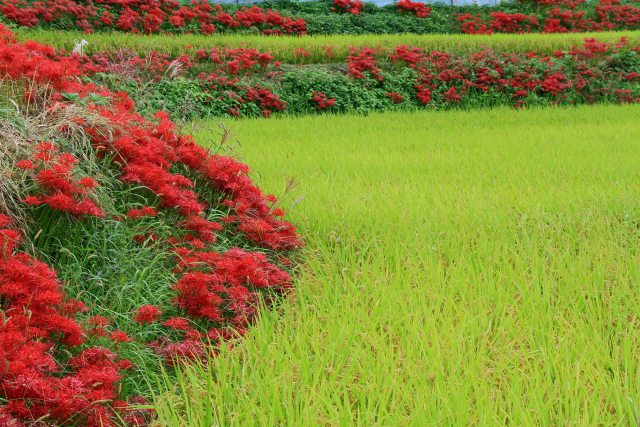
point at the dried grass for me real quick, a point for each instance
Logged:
(24, 125)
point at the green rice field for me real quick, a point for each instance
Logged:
(461, 268)
(288, 48)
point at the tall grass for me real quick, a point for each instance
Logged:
(284, 48)
(462, 268)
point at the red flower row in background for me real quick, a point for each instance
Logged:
(201, 16)
(148, 17)
(556, 16)
(549, 16)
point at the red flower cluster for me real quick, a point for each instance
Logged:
(218, 286)
(611, 15)
(36, 331)
(144, 16)
(61, 190)
(146, 211)
(420, 10)
(451, 95)
(557, 16)
(361, 61)
(236, 61)
(395, 97)
(323, 101)
(269, 21)
(240, 94)
(519, 75)
(147, 314)
(567, 20)
(254, 214)
(513, 22)
(473, 24)
(350, 6)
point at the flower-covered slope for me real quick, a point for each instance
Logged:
(220, 243)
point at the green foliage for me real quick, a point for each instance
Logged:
(351, 95)
(185, 98)
(298, 86)
(392, 23)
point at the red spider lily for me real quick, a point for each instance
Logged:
(34, 385)
(513, 22)
(395, 97)
(61, 190)
(177, 323)
(119, 336)
(420, 10)
(361, 61)
(25, 164)
(452, 95)
(147, 211)
(350, 6)
(147, 314)
(322, 101)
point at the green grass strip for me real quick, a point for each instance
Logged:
(284, 48)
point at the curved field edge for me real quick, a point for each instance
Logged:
(463, 268)
(124, 209)
(288, 48)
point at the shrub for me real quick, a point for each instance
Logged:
(235, 83)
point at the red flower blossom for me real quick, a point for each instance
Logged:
(452, 95)
(420, 10)
(25, 164)
(361, 61)
(177, 323)
(350, 6)
(395, 97)
(323, 102)
(147, 314)
(147, 211)
(119, 336)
